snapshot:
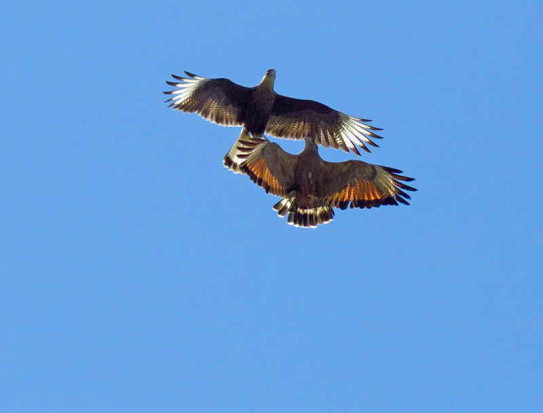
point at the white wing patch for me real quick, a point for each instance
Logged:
(195, 95)
(185, 90)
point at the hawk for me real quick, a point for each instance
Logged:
(260, 110)
(311, 187)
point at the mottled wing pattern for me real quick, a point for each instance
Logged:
(362, 185)
(267, 164)
(220, 101)
(297, 119)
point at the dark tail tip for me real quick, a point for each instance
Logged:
(310, 218)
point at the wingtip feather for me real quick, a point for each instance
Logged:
(177, 77)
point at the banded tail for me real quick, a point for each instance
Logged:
(303, 217)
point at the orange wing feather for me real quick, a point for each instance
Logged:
(361, 190)
(260, 173)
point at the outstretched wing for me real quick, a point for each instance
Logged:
(363, 185)
(217, 100)
(267, 164)
(297, 119)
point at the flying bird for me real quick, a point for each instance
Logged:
(311, 187)
(260, 110)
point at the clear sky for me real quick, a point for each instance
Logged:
(139, 275)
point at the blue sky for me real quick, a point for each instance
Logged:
(139, 275)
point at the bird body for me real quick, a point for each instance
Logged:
(311, 187)
(259, 106)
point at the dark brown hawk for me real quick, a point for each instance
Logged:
(311, 187)
(260, 110)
